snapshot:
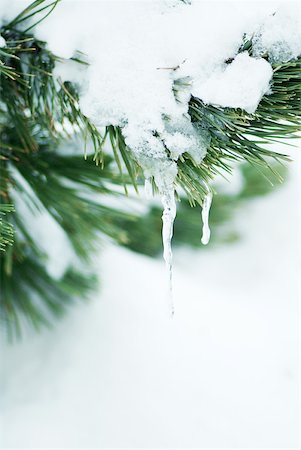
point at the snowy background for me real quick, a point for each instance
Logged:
(119, 373)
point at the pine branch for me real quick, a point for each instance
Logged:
(63, 185)
(38, 113)
(234, 134)
(30, 297)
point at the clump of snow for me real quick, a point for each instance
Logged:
(240, 84)
(181, 136)
(70, 70)
(2, 42)
(280, 35)
(140, 52)
(147, 58)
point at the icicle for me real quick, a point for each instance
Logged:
(168, 217)
(205, 216)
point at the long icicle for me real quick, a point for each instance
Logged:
(168, 217)
(205, 216)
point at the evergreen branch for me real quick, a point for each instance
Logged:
(30, 297)
(62, 185)
(234, 134)
(38, 112)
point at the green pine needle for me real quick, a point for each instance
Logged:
(6, 228)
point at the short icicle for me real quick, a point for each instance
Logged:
(168, 217)
(205, 216)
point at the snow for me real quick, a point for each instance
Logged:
(118, 373)
(139, 52)
(240, 84)
(280, 35)
(10, 9)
